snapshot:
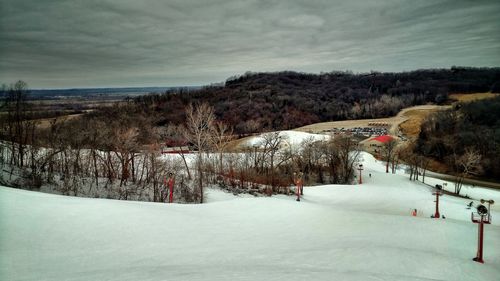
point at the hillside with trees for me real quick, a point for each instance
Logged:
(114, 151)
(466, 138)
(285, 100)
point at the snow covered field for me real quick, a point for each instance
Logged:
(358, 232)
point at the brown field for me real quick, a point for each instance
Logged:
(472, 97)
(45, 123)
(415, 117)
(68, 107)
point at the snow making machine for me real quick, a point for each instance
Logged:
(481, 217)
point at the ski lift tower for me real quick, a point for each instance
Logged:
(483, 216)
(360, 168)
(437, 193)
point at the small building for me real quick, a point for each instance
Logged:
(382, 139)
(375, 144)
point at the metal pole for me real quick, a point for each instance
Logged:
(485, 219)
(481, 239)
(437, 215)
(479, 257)
(255, 156)
(360, 168)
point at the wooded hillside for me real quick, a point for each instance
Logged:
(469, 131)
(285, 100)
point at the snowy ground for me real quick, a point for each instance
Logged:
(291, 138)
(358, 232)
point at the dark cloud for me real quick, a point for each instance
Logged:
(185, 42)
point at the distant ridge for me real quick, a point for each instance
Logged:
(127, 91)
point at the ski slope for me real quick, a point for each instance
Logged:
(337, 232)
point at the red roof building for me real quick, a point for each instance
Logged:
(383, 139)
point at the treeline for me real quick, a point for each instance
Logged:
(466, 138)
(284, 100)
(116, 153)
(93, 156)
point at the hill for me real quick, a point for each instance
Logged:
(336, 232)
(469, 126)
(287, 100)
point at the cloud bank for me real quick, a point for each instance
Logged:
(57, 43)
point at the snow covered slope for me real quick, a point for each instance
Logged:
(292, 138)
(358, 232)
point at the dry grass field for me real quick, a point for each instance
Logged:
(45, 123)
(415, 117)
(472, 97)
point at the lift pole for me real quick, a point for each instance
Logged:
(360, 168)
(484, 218)
(436, 214)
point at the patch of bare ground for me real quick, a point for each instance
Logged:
(472, 97)
(45, 123)
(414, 119)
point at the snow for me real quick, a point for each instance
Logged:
(336, 232)
(292, 138)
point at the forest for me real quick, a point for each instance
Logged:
(466, 138)
(284, 100)
(117, 153)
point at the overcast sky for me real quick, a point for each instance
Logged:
(109, 43)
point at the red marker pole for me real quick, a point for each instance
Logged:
(164, 196)
(171, 190)
(437, 215)
(479, 256)
(297, 189)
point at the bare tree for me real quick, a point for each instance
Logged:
(176, 136)
(467, 164)
(252, 126)
(388, 151)
(125, 143)
(338, 155)
(16, 121)
(199, 126)
(221, 136)
(94, 139)
(424, 164)
(408, 155)
(271, 143)
(348, 154)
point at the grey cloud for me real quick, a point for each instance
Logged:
(185, 42)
